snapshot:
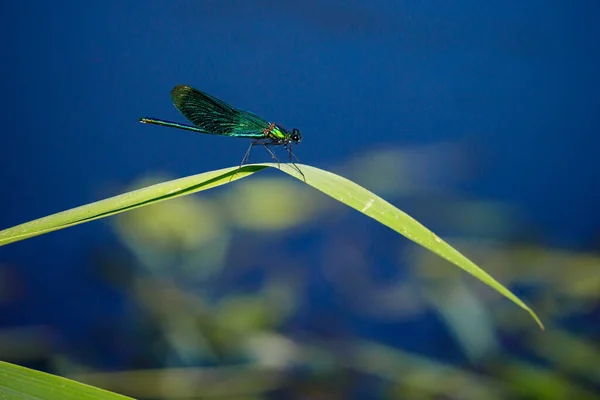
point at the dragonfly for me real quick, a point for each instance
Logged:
(215, 117)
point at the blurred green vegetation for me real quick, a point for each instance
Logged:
(219, 309)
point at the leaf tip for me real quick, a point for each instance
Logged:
(537, 320)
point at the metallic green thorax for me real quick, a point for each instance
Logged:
(275, 132)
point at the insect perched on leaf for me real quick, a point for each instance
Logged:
(215, 117)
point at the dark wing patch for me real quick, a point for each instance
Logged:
(215, 116)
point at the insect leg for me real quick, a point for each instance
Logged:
(245, 159)
(292, 156)
(247, 155)
(265, 145)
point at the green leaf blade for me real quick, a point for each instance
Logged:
(331, 184)
(127, 201)
(18, 382)
(375, 207)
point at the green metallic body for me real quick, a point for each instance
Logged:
(215, 117)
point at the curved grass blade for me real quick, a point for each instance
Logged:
(380, 210)
(331, 184)
(127, 201)
(17, 382)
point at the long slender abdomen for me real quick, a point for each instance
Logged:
(170, 124)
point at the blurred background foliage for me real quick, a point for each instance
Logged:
(477, 118)
(218, 302)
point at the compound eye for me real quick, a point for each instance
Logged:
(296, 135)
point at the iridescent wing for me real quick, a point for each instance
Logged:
(214, 116)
